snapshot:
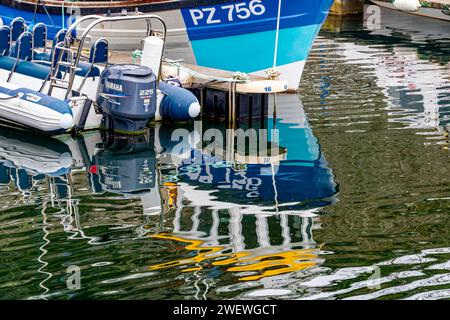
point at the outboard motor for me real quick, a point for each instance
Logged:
(127, 96)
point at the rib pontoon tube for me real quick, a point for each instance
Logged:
(35, 110)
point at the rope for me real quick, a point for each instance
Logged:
(273, 73)
(237, 76)
(277, 34)
(63, 22)
(44, 8)
(9, 98)
(35, 11)
(136, 54)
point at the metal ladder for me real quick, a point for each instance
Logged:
(65, 58)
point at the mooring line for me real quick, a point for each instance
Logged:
(277, 34)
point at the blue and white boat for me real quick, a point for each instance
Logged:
(250, 36)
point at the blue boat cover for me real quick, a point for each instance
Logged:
(5, 40)
(23, 47)
(46, 56)
(99, 51)
(84, 67)
(17, 28)
(39, 35)
(59, 37)
(28, 68)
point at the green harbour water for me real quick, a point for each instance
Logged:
(351, 201)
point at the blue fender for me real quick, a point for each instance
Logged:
(178, 103)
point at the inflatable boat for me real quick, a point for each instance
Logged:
(60, 89)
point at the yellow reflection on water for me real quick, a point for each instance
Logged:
(248, 261)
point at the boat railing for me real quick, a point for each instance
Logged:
(80, 41)
(62, 57)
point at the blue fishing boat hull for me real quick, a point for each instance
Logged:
(244, 36)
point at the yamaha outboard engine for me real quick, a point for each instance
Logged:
(127, 96)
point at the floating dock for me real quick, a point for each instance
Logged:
(232, 97)
(222, 80)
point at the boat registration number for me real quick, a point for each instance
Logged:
(227, 13)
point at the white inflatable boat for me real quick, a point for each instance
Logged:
(59, 89)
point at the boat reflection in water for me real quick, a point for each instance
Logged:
(27, 161)
(249, 212)
(243, 202)
(408, 62)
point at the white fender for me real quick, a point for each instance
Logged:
(407, 5)
(152, 53)
(262, 86)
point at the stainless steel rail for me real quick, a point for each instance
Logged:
(102, 19)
